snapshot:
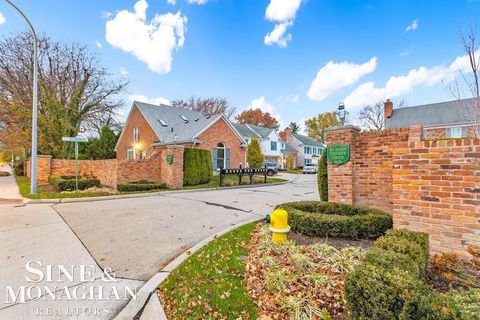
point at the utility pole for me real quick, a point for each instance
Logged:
(33, 156)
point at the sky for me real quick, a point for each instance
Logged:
(292, 58)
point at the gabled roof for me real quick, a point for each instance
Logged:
(307, 140)
(261, 131)
(288, 149)
(434, 114)
(245, 131)
(177, 125)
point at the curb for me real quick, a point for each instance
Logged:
(146, 195)
(148, 291)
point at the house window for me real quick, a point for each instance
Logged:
(314, 150)
(320, 151)
(130, 153)
(136, 134)
(457, 132)
(143, 154)
(307, 161)
(307, 150)
(273, 145)
(220, 155)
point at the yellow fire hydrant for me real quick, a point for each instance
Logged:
(278, 225)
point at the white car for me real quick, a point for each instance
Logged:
(310, 168)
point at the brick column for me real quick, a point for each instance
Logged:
(44, 164)
(172, 174)
(340, 178)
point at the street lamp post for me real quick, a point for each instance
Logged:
(342, 114)
(33, 159)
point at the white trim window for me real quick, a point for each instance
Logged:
(136, 134)
(456, 132)
(273, 145)
(130, 153)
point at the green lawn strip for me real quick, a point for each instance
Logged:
(210, 284)
(43, 192)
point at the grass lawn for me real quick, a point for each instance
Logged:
(210, 284)
(47, 192)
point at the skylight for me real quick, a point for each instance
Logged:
(184, 118)
(162, 123)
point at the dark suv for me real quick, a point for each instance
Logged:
(271, 168)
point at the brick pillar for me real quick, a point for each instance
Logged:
(172, 174)
(44, 165)
(340, 178)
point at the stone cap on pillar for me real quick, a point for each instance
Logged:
(344, 128)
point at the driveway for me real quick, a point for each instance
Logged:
(136, 237)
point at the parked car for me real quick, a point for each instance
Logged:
(310, 168)
(271, 168)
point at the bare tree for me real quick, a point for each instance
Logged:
(470, 108)
(207, 106)
(372, 116)
(76, 93)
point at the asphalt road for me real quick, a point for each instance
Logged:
(136, 237)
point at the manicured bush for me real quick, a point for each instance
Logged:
(55, 180)
(197, 166)
(85, 183)
(315, 218)
(69, 177)
(391, 282)
(322, 178)
(140, 186)
(18, 169)
(255, 157)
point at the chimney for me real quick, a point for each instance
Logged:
(388, 110)
(288, 134)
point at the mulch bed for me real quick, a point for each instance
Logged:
(5, 174)
(338, 243)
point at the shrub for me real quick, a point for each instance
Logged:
(18, 169)
(197, 166)
(255, 156)
(315, 218)
(322, 178)
(86, 183)
(140, 186)
(54, 180)
(391, 282)
(69, 177)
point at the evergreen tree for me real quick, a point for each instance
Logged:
(322, 177)
(102, 147)
(254, 154)
(290, 162)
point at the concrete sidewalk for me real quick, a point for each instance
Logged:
(8, 188)
(42, 235)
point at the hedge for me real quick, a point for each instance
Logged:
(197, 166)
(390, 284)
(18, 169)
(314, 218)
(140, 186)
(322, 177)
(84, 183)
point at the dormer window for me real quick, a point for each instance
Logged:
(163, 123)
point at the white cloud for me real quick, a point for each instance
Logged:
(99, 44)
(368, 93)
(404, 53)
(123, 71)
(283, 12)
(278, 36)
(142, 98)
(151, 42)
(197, 1)
(172, 2)
(412, 26)
(2, 18)
(106, 14)
(335, 76)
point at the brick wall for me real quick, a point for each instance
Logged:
(436, 189)
(146, 135)
(441, 133)
(105, 170)
(221, 132)
(430, 186)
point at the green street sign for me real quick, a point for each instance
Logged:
(338, 154)
(170, 158)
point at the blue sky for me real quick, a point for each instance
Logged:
(328, 50)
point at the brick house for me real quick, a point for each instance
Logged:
(439, 120)
(149, 127)
(308, 150)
